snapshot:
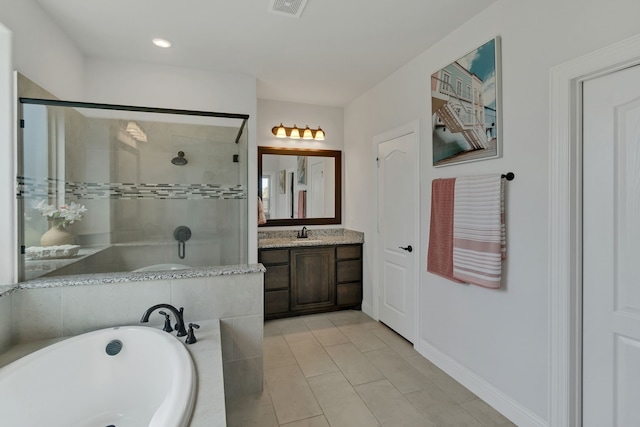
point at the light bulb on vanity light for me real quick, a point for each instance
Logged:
(295, 132)
(307, 133)
(319, 134)
(281, 132)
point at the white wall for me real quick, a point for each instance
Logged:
(272, 113)
(330, 119)
(499, 338)
(41, 50)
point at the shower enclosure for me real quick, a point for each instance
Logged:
(102, 188)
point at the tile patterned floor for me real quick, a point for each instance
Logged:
(344, 369)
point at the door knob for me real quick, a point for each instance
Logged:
(408, 248)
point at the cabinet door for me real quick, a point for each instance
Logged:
(313, 283)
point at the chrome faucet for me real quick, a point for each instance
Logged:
(179, 314)
(302, 234)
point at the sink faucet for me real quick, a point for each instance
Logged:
(302, 234)
(179, 314)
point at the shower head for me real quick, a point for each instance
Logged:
(180, 160)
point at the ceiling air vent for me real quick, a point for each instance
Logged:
(291, 8)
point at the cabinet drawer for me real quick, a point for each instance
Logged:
(349, 271)
(276, 302)
(279, 256)
(349, 293)
(276, 277)
(348, 252)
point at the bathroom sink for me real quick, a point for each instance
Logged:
(307, 241)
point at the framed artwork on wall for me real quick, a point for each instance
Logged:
(466, 108)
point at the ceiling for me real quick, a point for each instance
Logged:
(334, 52)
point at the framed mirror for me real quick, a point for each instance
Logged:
(300, 186)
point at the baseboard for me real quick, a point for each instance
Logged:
(504, 404)
(368, 309)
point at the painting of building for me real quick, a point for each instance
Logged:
(464, 107)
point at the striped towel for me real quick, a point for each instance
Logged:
(478, 230)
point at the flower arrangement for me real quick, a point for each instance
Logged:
(62, 216)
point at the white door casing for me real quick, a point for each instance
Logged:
(611, 250)
(398, 227)
(565, 225)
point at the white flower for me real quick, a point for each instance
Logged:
(72, 212)
(65, 214)
(47, 210)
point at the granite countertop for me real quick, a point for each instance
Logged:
(287, 239)
(103, 278)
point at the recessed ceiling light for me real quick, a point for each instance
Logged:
(162, 43)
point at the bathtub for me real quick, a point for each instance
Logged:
(147, 381)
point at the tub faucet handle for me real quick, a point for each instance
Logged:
(167, 322)
(191, 337)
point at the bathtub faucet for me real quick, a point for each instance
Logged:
(179, 314)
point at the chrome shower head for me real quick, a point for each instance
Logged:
(180, 160)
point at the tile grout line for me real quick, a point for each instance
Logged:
(341, 372)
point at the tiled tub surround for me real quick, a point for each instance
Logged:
(317, 237)
(209, 408)
(70, 305)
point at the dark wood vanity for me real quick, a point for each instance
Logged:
(306, 274)
(311, 279)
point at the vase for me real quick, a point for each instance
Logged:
(57, 236)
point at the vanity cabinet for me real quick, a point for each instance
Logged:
(311, 279)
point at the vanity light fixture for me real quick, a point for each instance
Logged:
(161, 43)
(294, 132)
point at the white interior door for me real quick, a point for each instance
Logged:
(398, 232)
(611, 250)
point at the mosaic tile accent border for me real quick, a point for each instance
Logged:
(30, 188)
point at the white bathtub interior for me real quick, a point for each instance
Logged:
(74, 382)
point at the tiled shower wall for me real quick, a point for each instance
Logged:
(148, 214)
